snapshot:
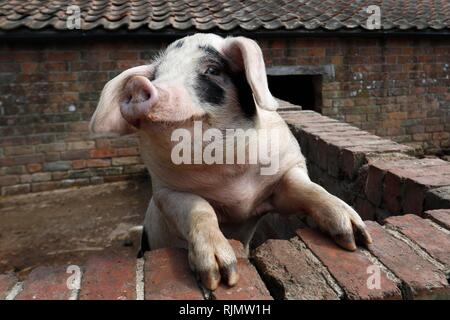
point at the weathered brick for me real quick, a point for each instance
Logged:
(21, 160)
(167, 276)
(249, 287)
(374, 185)
(437, 198)
(34, 167)
(16, 189)
(8, 180)
(12, 170)
(77, 145)
(78, 164)
(52, 156)
(392, 193)
(66, 183)
(137, 168)
(123, 161)
(365, 209)
(75, 154)
(124, 152)
(51, 147)
(420, 277)
(18, 150)
(352, 161)
(44, 186)
(440, 216)
(58, 166)
(435, 242)
(290, 273)
(109, 277)
(46, 283)
(96, 163)
(350, 269)
(7, 282)
(25, 178)
(102, 153)
(40, 177)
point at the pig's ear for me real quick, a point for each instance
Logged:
(247, 55)
(107, 117)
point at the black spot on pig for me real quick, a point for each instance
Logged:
(208, 91)
(244, 93)
(238, 79)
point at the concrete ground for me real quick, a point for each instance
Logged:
(66, 226)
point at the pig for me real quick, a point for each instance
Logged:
(222, 83)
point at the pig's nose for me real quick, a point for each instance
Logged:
(138, 98)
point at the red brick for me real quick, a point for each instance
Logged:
(9, 180)
(435, 242)
(440, 216)
(290, 273)
(46, 283)
(75, 154)
(24, 159)
(121, 152)
(413, 197)
(102, 153)
(351, 162)
(392, 193)
(365, 209)
(34, 167)
(79, 164)
(7, 282)
(45, 186)
(249, 287)
(96, 163)
(168, 277)
(109, 277)
(374, 185)
(419, 276)
(348, 268)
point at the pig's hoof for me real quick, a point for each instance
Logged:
(213, 259)
(344, 225)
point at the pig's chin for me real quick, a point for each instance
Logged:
(172, 117)
(154, 121)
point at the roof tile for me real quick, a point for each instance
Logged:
(227, 15)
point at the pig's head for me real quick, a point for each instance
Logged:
(197, 77)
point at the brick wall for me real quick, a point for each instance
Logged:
(49, 93)
(404, 262)
(377, 176)
(410, 252)
(396, 87)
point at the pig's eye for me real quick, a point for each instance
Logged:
(212, 71)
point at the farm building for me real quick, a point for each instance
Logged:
(392, 80)
(364, 86)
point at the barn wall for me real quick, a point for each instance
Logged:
(397, 88)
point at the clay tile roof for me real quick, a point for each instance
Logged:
(226, 15)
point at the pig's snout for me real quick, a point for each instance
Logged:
(138, 98)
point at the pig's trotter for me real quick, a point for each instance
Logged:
(192, 218)
(213, 259)
(297, 192)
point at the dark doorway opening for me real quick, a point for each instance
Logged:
(301, 90)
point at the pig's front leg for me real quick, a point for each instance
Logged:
(194, 219)
(296, 192)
